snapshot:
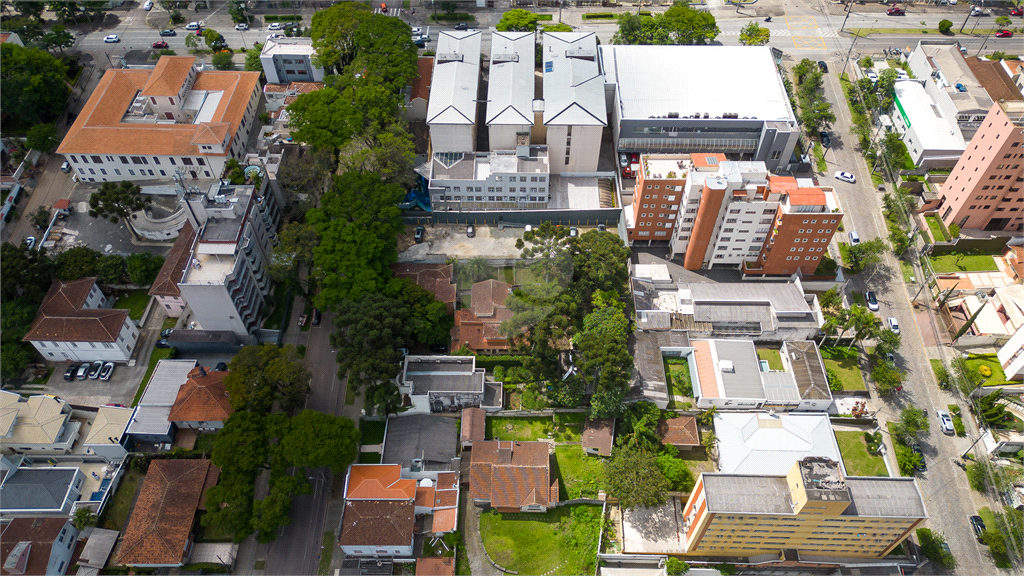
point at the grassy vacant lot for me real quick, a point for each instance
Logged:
(846, 367)
(966, 263)
(579, 475)
(371, 432)
(134, 302)
(564, 427)
(216, 532)
(115, 516)
(856, 457)
(937, 228)
(564, 539)
(157, 355)
(1001, 560)
(679, 382)
(773, 357)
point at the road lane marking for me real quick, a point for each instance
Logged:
(801, 23)
(809, 42)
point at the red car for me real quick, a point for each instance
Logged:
(1004, 34)
(896, 12)
(1017, 12)
(160, 45)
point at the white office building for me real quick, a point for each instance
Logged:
(510, 87)
(451, 111)
(574, 102)
(287, 60)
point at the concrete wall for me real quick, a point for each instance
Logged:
(452, 137)
(503, 137)
(584, 148)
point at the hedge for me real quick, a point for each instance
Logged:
(459, 16)
(282, 18)
(545, 17)
(489, 362)
(598, 16)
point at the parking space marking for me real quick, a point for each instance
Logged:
(809, 42)
(801, 23)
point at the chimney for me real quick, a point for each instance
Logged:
(202, 371)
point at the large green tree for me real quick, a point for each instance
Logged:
(333, 33)
(117, 200)
(33, 84)
(605, 359)
(261, 375)
(385, 53)
(517, 20)
(634, 477)
(370, 330)
(429, 321)
(865, 255)
(753, 34)
(600, 262)
(690, 26)
(292, 259)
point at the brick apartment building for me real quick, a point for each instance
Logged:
(984, 190)
(804, 224)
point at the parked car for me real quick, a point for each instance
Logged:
(1004, 34)
(83, 371)
(302, 319)
(573, 232)
(317, 316)
(416, 31)
(69, 374)
(242, 26)
(902, 75)
(462, 26)
(419, 43)
(623, 160)
(160, 45)
(979, 527)
(107, 371)
(1017, 12)
(221, 366)
(275, 26)
(111, 38)
(168, 32)
(894, 325)
(418, 235)
(825, 139)
(166, 332)
(94, 372)
(422, 38)
(872, 301)
(273, 37)
(945, 422)
(193, 26)
(896, 12)
(854, 238)
(148, 5)
(845, 177)
(30, 242)
(822, 66)
(976, 11)
(65, 167)
(872, 76)
(162, 343)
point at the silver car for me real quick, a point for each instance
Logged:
(845, 177)
(945, 422)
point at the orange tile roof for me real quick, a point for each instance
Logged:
(425, 497)
(168, 76)
(210, 133)
(377, 522)
(680, 431)
(474, 423)
(425, 74)
(166, 283)
(489, 296)
(445, 498)
(435, 278)
(705, 368)
(807, 197)
(379, 482)
(782, 184)
(99, 129)
(701, 160)
(447, 481)
(160, 524)
(512, 474)
(435, 566)
(61, 317)
(202, 398)
(445, 520)
(41, 532)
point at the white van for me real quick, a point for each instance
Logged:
(854, 238)
(192, 26)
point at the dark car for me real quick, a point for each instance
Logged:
(896, 12)
(470, 231)
(107, 371)
(83, 371)
(221, 366)
(94, 372)
(439, 348)
(823, 66)
(160, 45)
(317, 316)
(168, 32)
(462, 26)
(419, 43)
(418, 236)
(826, 140)
(166, 332)
(979, 527)
(162, 343)
(917, 450)
(69, 374)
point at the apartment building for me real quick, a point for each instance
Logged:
(150, 124)
(575, 111)
(984, 190)
(686, 99)
(278, 96)
(932, 137)
(37, 425)
(446, 384)
(226, 282)
(517, 179)
(510, 88)
(452, 108)
(814, 510)
(287, 60)
(951, 84)
(656, 197)
(805, 222)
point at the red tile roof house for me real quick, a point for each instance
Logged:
(202, 403)
(512, 476)
(477, 327)
(75, 323)
(37, 546)
(679, 432)
(159, 532)
(435, 278)
(382, 509)
(165, 287)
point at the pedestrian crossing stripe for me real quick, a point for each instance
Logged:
(395, 12)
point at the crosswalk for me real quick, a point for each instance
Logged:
(396, 12)
(785, 33)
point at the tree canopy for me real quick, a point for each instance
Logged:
(517, 20)
(116, 200)
(753, 34)
(370, 330)
(261, 375)
(33, 84)
(605, 359)
(634, 477)
(680, 24)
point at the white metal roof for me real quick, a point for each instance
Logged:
(713, 80)
(167, 378)
(453, 89)
(769, 444)
(510, 78)
(934, 130)
(573, 86)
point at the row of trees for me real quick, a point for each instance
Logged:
(815, 111)
(680, 25)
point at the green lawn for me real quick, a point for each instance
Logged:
(1001, 560)
(846, 368)
(204, 442)
(908, 272)
(169, 323)
(157, 355)
(773, 357)
(371, 432)
(579, 475)
(518, 428)
(562, 540)
(677, 371)
(968, 263)
(975, 361)
(819, 158)
(326, 553)
(856, 457)
(115, 515)
(215, 532)
(134, 302)
(858, 299)
(937, 229)
(569, 427)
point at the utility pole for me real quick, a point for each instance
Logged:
(966, 18)
(849, 8)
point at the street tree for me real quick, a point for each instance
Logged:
(336, 454)
(517, 20)
(888, 343)
(223, 61)
(41, 218)
(912, 423)
(634, 477)
(887, 378)
(214, 40)
(886, 82)
(29, 8)
(191, 41)
(690, 26)
(42, 137)
(333, 33)
(261, 375)
(754, 34)
(58, 37)
(945, 26)
(385, 53)
(291, 262)
(818, 116)
(252, 58)
(641, 30)
(117, 200)
(1003, 21)
(866, 254)
(67, 11)
(33, 84)
(429, 321)
(369, 331)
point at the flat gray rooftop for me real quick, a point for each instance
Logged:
(744, 381)
(442, 374)
(424, 436)
(747, 494)
(885, 497)
(37, 488)
(784, 297)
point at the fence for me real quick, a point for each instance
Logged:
(994, 245)
(607, 216)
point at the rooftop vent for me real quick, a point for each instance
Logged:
(443, 57)
(727, 366)
(673, 114)
(504, 58)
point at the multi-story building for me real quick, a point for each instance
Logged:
(446, 384)
(37, 425)
(451, 111)
(165, 287)
(951, 84)
(226, 282)
(516, 179)
(813, 509)
(151, 124)
(278, 96)
(932, 138)
(984, 190)
(510, 87)
(287, 60)
(575, 112)
(684, 99)
(656, 197)
(805, 222)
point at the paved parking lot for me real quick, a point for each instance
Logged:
(120, 389)
(451, 240)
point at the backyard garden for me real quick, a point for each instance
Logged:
(843, 362)
(580, 475)
(858, 456)
(562, 540)
(561, 427)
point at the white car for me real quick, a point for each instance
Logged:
(845, 177)
(417, 31)
(148, 5)
(275, 26)
(894, 325)
(945, 422)
(872, 76)
(273, 36)
(112, 38)
(30, 242)
(193, 26)
(423, 37)
(242, 26)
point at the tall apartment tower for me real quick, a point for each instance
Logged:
(984, 190)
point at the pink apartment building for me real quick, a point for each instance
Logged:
(984, 190)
